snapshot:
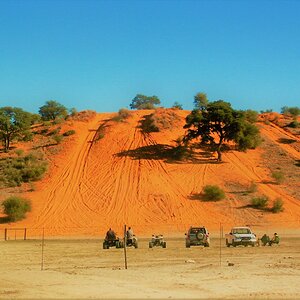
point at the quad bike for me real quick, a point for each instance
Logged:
(157, 241)
(113, 243)
(132, 242)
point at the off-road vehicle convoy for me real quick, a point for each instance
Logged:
(157, 241)
(240, 236)
(197, 236)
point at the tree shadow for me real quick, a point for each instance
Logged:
(170, 154)
(4, 220)
(286, 141)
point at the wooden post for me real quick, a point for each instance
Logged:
(220, 244)
(15, 234)
(125, 254)
(5, 234)
(43, 242)
(25, 234)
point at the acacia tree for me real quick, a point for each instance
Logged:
(52, 110)
(200, 101)
(219, 123)
(144, 102)
(14, 124)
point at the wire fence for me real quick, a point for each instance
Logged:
(143, 230)
(57, 249)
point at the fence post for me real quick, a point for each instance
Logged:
(5, 234)
(25, 234)
(43, 242)
(125, 254)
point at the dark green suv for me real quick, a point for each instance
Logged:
(197, 236)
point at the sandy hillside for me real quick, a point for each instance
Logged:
(111, 173)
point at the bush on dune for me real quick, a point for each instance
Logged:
(16, 208)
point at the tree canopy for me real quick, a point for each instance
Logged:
(219, 123)
(144, 102)
(52, 110)
(14, 124)
(200, 101)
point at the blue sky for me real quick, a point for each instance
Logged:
(99, 54)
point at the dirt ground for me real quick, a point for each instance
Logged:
(81, 269)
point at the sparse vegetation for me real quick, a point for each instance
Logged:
(218, 123)
(277, 206)
(278, 177)
(294, 124)
(16, 170)
(14, 125)
(53, 110)
(177, 105)
(260, 202)
(213, 193)
(252, 187)
(57, 138)
(123, 114)
(292, 111)
(16, 208)
(161, 119)
(69, 132)
(144, 102)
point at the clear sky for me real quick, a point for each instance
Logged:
(93, 54)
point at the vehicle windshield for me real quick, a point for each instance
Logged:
(241, 230)
(196, 230)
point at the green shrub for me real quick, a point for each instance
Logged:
(277, 206)
(69, 132)
(213, 193)
(122, 115)
(161, 119)
(294, 124)
(278, 177)
(19, 152)
(57, 138)
(16, 170)
(252, 187)
(260, 202)
(16, 208)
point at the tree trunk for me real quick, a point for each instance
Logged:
(219, 150)
(219, 154)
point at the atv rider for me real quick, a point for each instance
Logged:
(129, 236)
(110, 235)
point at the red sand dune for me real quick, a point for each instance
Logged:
(119, 179)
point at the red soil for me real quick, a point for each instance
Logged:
(95, 184)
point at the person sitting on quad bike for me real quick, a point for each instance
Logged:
(129, 235)
(110, 235)
(131, 239)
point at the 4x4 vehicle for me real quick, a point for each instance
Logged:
(240, 236)
(157, 241)
(197, 236)
(113, 243)
(132, 242)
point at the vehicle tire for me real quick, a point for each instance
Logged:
(121, 244)
(227, 244)
(150, 245)
(164, 245)
(253, 244)
(118, 244)
(206, 245)
(199, 236)
(187, 244)
(136, 245)
(233, 244)
(104, 246)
